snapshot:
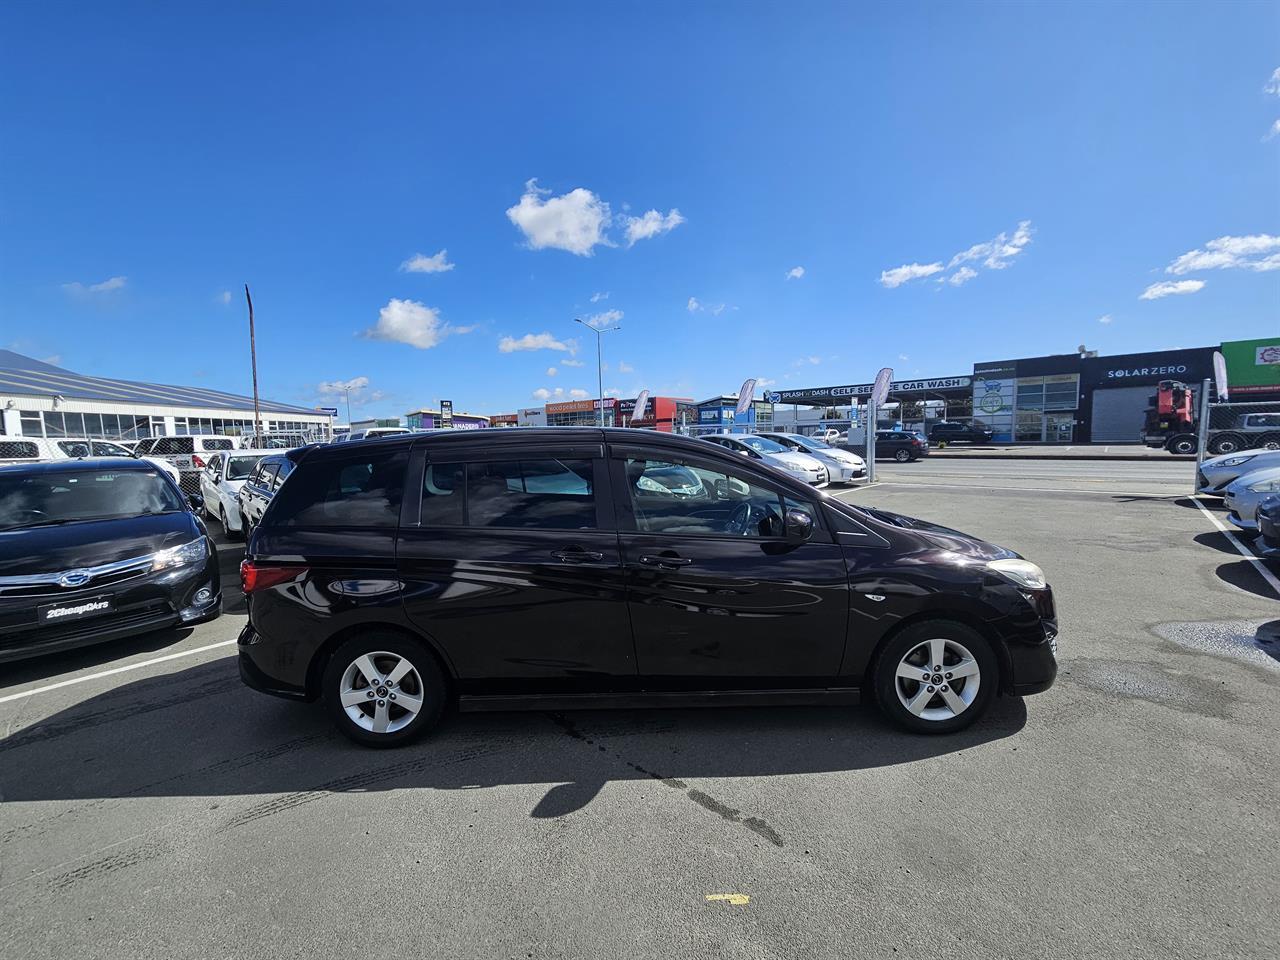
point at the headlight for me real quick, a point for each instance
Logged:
(180, 556)
(1236, 461)
(1265, 486)
(1022, 572)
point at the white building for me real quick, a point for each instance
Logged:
(40, 400)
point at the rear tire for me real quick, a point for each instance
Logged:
(921, 699)
(226, 527)
(383, 689)
(1270, 441)
(902, 456)
(1226, 443)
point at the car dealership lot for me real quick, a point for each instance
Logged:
(168, 811)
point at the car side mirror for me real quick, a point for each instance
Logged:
(196, 501)
(799, 526)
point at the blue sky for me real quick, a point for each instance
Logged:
(155, 157)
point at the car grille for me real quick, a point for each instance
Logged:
(47, 585)
(157, 613)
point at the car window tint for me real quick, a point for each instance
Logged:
(170, 446)
(269, 474)
(282, 472)
(74, 448)
(695, 499)
(355, 490)
(443, 489)
(18, 450)
(551, 494)
(218, 443)
(102, 448)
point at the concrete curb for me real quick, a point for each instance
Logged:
(1047, 455)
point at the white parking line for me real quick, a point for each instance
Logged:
(1248, 554)
(114, 670)
(988, 487)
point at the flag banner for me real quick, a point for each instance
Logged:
(744, 396)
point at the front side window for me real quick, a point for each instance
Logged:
(693, 499)
(550, 494)
(343, 491)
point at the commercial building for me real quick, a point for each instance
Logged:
(661, 413)
(1065, 398)
(434, 420)
(718, 414)
(39, 399)
(504, 420)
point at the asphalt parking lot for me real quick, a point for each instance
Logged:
(150, 806)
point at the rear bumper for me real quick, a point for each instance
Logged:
(254, 677)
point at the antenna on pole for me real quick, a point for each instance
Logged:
(253, 359)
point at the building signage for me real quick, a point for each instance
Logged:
(571, 406)
(711, 415)
(1168, 370)
(446, 414)
(1253, 366)
(608, 403)
(328, 411)
(826, 394)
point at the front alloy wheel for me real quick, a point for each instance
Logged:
(937, 676)
(938, 679)
(902, 456)
(383, 690)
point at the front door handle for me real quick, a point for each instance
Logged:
(659, 561)
(577, 556)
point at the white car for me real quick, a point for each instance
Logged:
(33, 449)
(1216, 473)
(799, 465)
(369, 434)
(1243, 496)
(842, 466)
(220, 483)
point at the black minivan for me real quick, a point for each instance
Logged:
(575, 567)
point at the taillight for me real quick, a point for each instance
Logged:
(915, 443)
(196, 461)
(256, 576)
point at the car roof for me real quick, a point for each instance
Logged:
(254, 452)
(80, 464)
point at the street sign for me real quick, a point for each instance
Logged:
(446, 414)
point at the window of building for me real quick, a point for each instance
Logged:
(32, 425)
(549, 494)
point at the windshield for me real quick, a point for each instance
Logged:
(239, 468)
(762, 445)
(816, 443)
(50, 499)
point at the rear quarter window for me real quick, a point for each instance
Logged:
(18, 450)
(363, 491)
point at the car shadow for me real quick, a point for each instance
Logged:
(16, 672)
(201, 732)
(1244, 575)
(1218, 541)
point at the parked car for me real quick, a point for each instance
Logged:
(98, 549)
(220, 483)
(1214, 474)
(369, 434)
(1243, 495)
(799, 465)
(1267, 517)
(36, 449)
(259, 487)
(274, 441)
(188, 453)
(900, 446)
(949, 431)
(842, 465)
(390, 578)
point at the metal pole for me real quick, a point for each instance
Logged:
(869, 428)
(1203, 431)
(253, 359)
(600, 373)
(348, 389)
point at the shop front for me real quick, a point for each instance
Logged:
(572, 413)
(1117, 390)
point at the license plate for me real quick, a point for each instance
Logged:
(73, 610)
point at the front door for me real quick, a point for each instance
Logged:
(715, 591)
(512, 566)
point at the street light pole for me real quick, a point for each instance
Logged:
(599, 359)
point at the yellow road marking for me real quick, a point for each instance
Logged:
(735, 899)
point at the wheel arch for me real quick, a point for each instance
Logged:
(967, 618)
(315, 670)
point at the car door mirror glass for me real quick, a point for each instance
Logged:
(196, 501)
(799, 526)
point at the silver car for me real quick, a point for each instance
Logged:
(1215, 474)
(842, 465)
(1243, 495)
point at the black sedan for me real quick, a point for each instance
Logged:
(555, 568)
(94, 550)
(900, 445)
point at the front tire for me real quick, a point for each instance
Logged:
(937, 676)
(1182, 444)
(383, 689)
(1225, 443)
(902, 456)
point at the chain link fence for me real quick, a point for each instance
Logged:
(1231, 427)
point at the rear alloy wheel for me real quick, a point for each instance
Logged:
(936, 677)
(383, 689)
(902, 456)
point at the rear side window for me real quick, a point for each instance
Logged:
(362, 491)
(443, 494)
(217, 443)
(170, 446)
(18, 450)
(74, 448)
(285, 468)
(550, 494)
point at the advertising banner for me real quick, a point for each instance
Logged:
(745, 395)
(1252, 366)
(641, 402)
(446, 414)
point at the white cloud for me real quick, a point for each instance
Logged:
(1105, 319)
(1273, 85)
(542, 393)
(106, 286)
(624, 367)
(651, 225)
(54, 359)
(602, 320)
(795, 273)
(333, 388)
(224, 297)
(903, 357)
(552, 371)
(577, 394)
(411, 322)
(765, 382)
(1170, 288)
(570, 362)
(693, 305)
(1274, 131)
(536, 341)
(575, 222)
(597, 297)
(961, 276)
(1258, 252)
(715, 309)
(908, 271)
(421, 263)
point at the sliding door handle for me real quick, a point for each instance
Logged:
(651, 560)
(577, 556)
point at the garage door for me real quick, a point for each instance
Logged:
(1118, 413)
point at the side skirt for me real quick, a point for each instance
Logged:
(824, 697)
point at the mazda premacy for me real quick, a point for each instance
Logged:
(563, 568)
